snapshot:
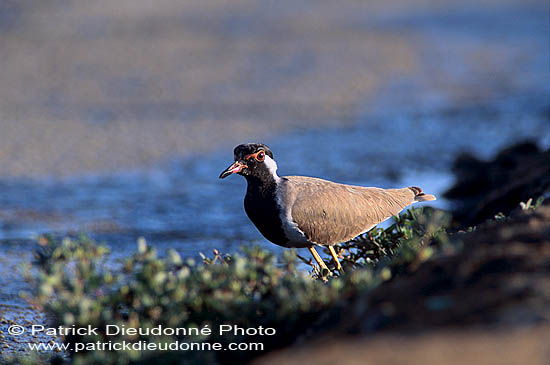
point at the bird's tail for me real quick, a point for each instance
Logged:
(419, 196)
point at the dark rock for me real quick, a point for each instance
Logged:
(485, 188)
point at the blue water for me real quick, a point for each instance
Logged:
(183, 205)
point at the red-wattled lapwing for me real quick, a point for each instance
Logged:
(300, 211)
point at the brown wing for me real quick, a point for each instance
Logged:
(330, 213)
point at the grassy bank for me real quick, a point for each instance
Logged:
(251, 289)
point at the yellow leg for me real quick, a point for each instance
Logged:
(317, 258)
(335, 258)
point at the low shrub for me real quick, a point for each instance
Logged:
(78, 287)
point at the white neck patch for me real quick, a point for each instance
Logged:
(272, 167)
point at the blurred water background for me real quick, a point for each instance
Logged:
(116, 118)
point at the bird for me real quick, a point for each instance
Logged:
(304, 212)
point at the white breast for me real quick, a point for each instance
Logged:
(294, 234)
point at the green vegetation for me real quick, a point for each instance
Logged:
(411, 239)
(77, 287)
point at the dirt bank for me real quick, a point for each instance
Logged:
(487, 303)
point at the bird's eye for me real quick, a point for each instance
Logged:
(260, 156)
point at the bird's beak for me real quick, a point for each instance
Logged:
(233, 169)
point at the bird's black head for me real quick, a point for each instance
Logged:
(252, 160)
